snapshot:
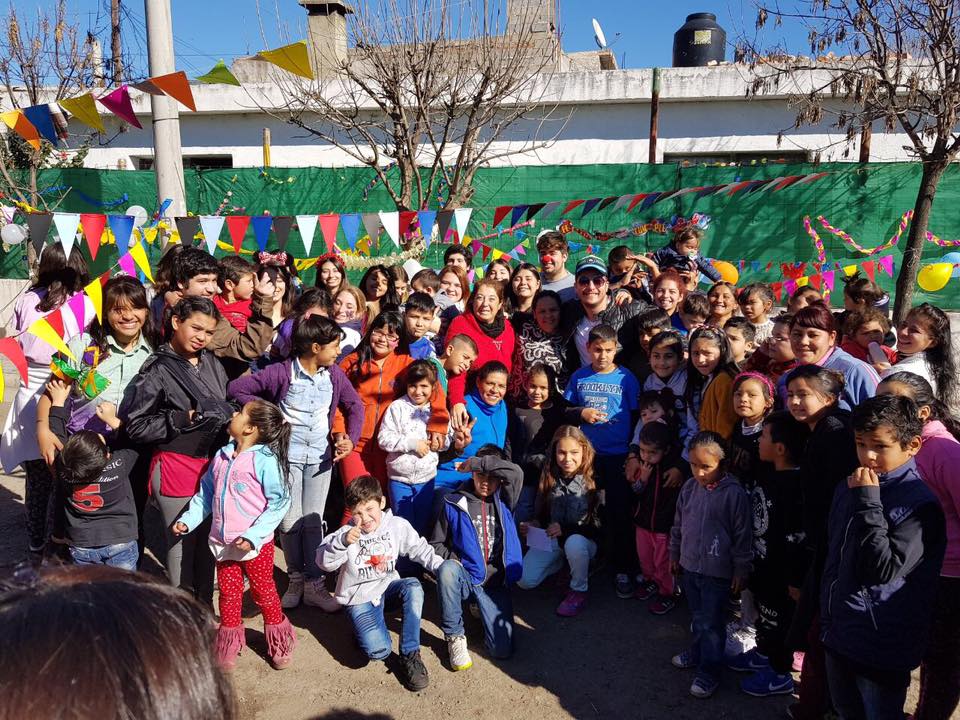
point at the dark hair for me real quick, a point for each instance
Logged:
(420, 370)
(602, 333)
(489, 368)
(391, 321)
(499, 261)
(187, 307)
(337, 262)
(726, 364)
(552, 240)
(762, 289)
(671, 338)
(547, 295)
(784, 318)
(397, 273)
(618, 254)
(827, 383)
(921, 392)
(362, 489)
(233, 268)
(131, 290)
(858, 318)
(815, 316)
(275, 272)
(653, 319)
(497, 288)
(420, 302)
(695, 303)
(461, 278)
(512, 300)
(939, 356)
(426, 277)
(311, 298)
(688, 233)
(668, 401)
(738, 322)
(314, 329)
(458, 250)
(897, 413)
(806, 290)
(60, 276)
(541, 368)
(80, 633)
(789, 432)
(491, 449)
(274, 431)
(464, 339)
(82, 459)
(390, 297)
(708, 438)
(192, 262)
(861, 289)
(659, 435)
(163, 276)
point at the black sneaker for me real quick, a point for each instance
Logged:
(414, 672)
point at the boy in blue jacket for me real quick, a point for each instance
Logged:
(885, 547)
(476, 535)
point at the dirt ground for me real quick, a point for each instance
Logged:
(612, 661)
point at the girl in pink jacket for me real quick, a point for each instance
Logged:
(245, 489)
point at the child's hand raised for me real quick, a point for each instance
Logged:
(243, 545)
(863, 477)
(107, 412)
(180, 529)
(353, 534)
(59, 391)
(265, 286)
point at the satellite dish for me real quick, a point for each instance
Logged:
(598, 35)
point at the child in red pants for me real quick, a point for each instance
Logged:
(246, 491)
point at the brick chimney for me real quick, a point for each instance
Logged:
(326, 35)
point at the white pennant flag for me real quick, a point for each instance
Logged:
(461, 217)
(307, 224)
(391, 223)
(211, 225)
(7, 212)
(67, 225)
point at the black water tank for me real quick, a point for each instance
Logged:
(699, 41)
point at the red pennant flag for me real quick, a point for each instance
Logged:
(93, 224)
(870, 268)
(407, 216)
(328, 228)
(237, 225)
(818, 266)
(11, 349)
(777, 290)
(486, 252)
(571, 205)
(815, 282)
(769, 265)
(636, 200)
(55, 320)
(500, 213)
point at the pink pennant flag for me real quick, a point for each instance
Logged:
(78, 306)
(118, 102)
(328, 228)
(828, 276)
(886, 264)
(128, 265)
(790, 286)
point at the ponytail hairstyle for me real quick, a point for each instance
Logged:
(939, 356)
(274, 432)
(726, 364)
(548, 478)
(714, 441)
(920, 391)
(826, 383)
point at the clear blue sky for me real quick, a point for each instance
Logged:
(206, 30)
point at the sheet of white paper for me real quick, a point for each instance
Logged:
(537, 539)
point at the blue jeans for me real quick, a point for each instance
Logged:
(538, 565)
(301, 530)
(370, 625)
(454, 585)
(413, 503)
(707, 599)
(121, 555)
(856, 697)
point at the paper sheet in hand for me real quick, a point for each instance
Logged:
(537, 539)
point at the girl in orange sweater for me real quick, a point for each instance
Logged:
(710, 373)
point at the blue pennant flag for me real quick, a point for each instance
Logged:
(518, 213)
(427, 219)
(122, 228)
(261, 229)
(351, 228)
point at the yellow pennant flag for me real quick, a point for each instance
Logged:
(293, 58)
(17, 121)
(43, 330)
(84, 109)
(94, 291)
(139, 256)
(850, 269)
(803, 281)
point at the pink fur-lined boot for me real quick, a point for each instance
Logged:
(281, 640)
(230, 642)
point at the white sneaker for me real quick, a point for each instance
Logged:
(315, 594)
(294, 594)
(740, 639)
(457, 649)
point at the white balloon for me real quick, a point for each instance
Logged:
(13, 234)
(139, 215)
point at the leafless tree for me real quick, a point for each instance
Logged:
(430, 91)
(891, 62)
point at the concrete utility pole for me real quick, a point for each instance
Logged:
(116, 48)
(167, 152)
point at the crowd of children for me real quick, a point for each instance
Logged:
(790, 479)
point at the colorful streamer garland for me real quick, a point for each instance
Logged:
(904, 223)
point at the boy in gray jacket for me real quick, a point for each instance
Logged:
(366, 552)
(711, 549)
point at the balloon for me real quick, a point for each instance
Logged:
(139, 215)
(13, 234)
(934, 277)
(953, 258)
(727, 271)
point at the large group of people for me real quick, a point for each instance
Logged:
(790, 478)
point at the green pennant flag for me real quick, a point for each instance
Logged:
(220, 75)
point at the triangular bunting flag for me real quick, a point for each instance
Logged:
(122, 228)
(50, 330)
(406, 219)
(790, 286)
(147, 87)
(94, 291)
(294, 58)
(118, 102)
(39, 225)
(351, 228)
(127, 265)
(828, 277)
(17, 121)
(281, 229)
(307, 225)
(589, 205)
(391, 224)
(549, 209)
(500, 213)
(67, 224)
(636, 199)
(176, 86)
(621, 201)
(78, 306)
(573, 204)
(84, 109)
(41, 118)
(869, 267)
(777, 290)
(371, 223)
(605, 203)
(517, 213)
(426, 219)
(755, 265)
(815, 281)
(328, 228)
(261, 229)
(10, 349)
(212, 227)
(188, 227)
(237, 227)
(461, 218)
(444, 219)
(534, 209)
(139, 256)
(219, 75)
(886, 264)
(786, 182)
